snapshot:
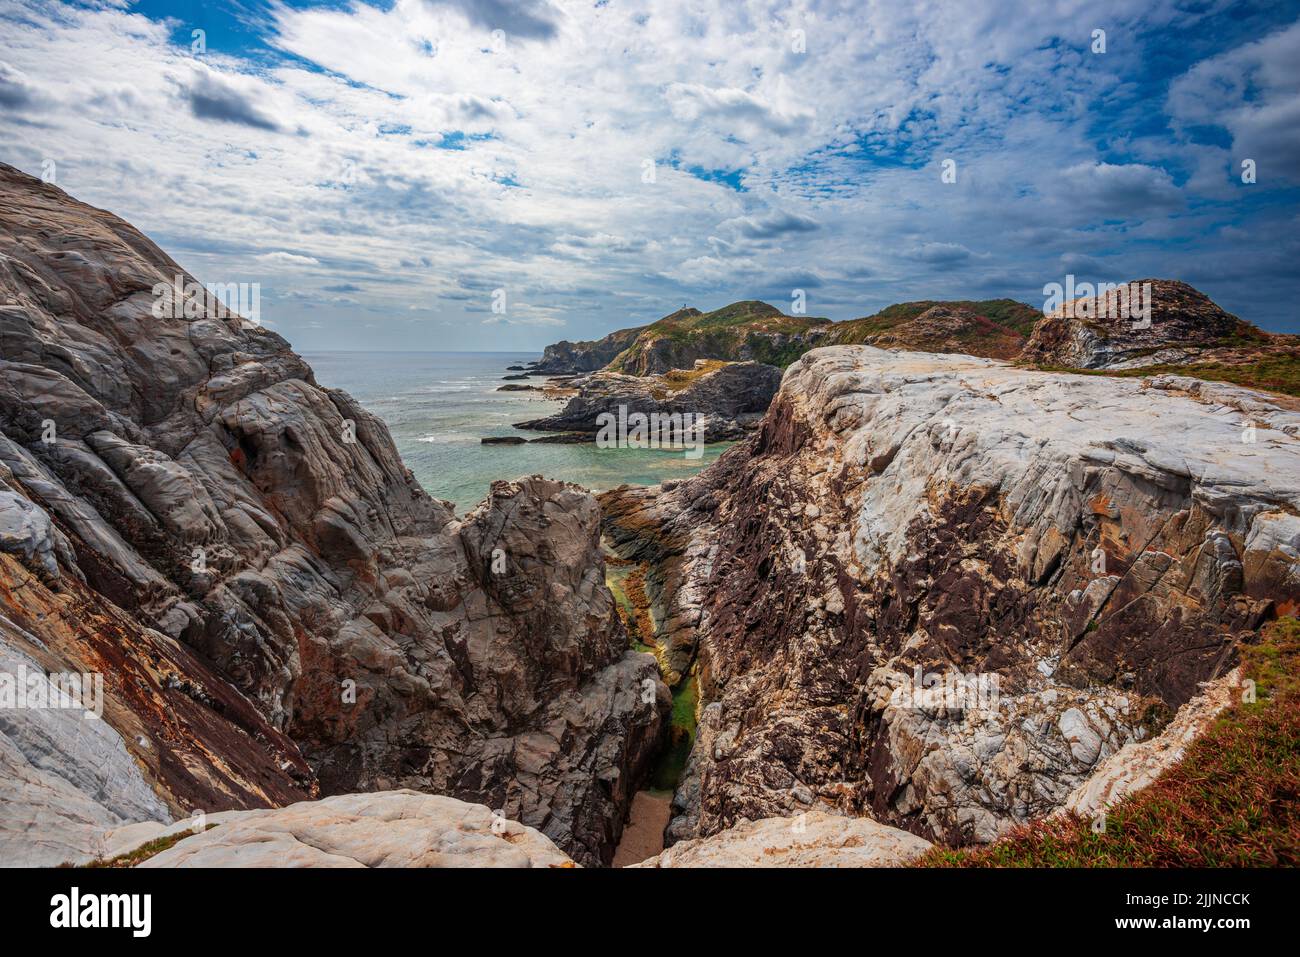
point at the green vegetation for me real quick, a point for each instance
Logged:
(1276, 372)
(668, 770)
(626, 582)
(758, 330)
(675, 380)
(1008, 313)
(1233, 801)
(722, 334)
(146, 850)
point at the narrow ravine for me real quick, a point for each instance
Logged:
(651, 810)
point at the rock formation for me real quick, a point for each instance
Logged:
(1105, 331)
(385, 829)
(941, 328)
(1139, 763)
(942, 591)
(730, 396)
(936, 593)
(756, 331)
(577, 357)
(811, 839)
(274, 602)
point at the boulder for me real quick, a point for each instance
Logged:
(809, 839)
(381, 829)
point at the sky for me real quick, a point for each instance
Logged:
(499, 175)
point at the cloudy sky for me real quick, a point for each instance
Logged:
(381, 168)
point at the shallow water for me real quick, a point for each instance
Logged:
(438, 405)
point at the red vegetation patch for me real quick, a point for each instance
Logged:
(1233, 801)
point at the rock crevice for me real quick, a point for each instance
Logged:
(258, 548)
(905, 526)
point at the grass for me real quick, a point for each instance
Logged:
(749, 326)
(723, 332)
(1279, 372)
(144, 851)
(1233, 801)
(1274, 373)
(1009, 313)
(675, 380)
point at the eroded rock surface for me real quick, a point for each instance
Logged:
(385, 829)
(184, 507)
(1139, 763)
(1105, 331)
(812, 839)
(1093, 549)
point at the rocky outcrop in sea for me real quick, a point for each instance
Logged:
(729, 397)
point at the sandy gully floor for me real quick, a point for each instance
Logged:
(643, 836)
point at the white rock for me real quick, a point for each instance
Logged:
(380, 829)
(811, 839)
(1139, 763)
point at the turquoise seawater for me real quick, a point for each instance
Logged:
(438, 405)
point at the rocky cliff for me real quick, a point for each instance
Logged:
(730, 398)
(748, 331)
(566, 357)
(942, 328)
(276, 606)
(756, 331)
(943, 591)
(1145, 322)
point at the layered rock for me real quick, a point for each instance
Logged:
(173, 735)
(243, 554)
(1139, 764)
(728, 397)
(1169, 323)
(943, 591)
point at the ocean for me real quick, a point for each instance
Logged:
(438, 405)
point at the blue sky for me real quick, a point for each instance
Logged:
(382, 169)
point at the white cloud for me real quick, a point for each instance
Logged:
(428, 161)
(1253, 92)
(287, 259)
